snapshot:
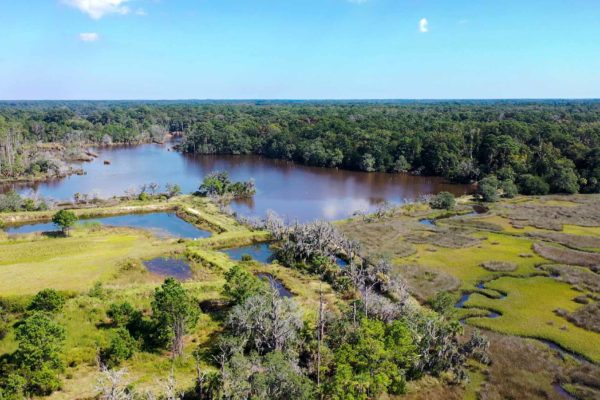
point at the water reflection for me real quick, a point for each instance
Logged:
(292, 190)
(259, 252)
(163, 224)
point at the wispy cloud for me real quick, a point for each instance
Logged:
(423, 25)
(96, 9)
(89, 37)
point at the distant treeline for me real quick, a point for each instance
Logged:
(553, 144)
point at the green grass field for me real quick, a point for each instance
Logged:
(72, 263)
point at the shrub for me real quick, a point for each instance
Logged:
(443, 201)
(121, 313)
(10, 202)
(241, 285)
(43, 381)
(122, 347)
(509, 189)
(487, 189)
(47, 300)
(443, 303)
(97, 290)
(246, 257)
(3, 331)
(143, 196)
(533, 185)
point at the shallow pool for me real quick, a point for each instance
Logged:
(168, 266)
(259, 252)
(163, 224)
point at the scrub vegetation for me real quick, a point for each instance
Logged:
(529, 271)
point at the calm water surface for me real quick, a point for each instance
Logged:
(167, 266)
(276, 284)
(163, 224)
(292, 190)
(259, 252)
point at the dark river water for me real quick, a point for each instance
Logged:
(292, 190)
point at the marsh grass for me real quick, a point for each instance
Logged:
(565, 255)
(450, 238)
(579, 277)
(465, 263)
(499, 266)
(528, 311)
(577, 242)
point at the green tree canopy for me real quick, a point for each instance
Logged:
(174, 312)
(64, 219)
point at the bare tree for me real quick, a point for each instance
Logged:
(170, 388)
(153, 187)
(268, 321)
(112, 385)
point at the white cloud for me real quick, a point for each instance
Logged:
(89, 37)
(423, 25)
(96, 9)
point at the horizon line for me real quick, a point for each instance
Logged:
(319, 99)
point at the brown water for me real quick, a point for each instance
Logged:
(292, 190)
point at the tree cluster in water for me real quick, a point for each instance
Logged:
(541, 146)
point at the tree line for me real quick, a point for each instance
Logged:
(542, 146)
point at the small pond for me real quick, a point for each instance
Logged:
(163, 224)
(259, 252)
(262, 252)
(276, 283)
(341, 262)
(168, 266)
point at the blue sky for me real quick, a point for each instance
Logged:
(299, 49)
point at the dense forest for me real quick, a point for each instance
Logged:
(542, 146)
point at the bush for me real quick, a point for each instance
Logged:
(10, 202)
(47, 300)
(121, 313)
(442, 303)
(241, 285)
(246, 257)
(122, 347)
(509, 189)
(487, 189)
(3, 331)
(97, 290)
(533, 185)
(43, 381)
(143, 196)
(443, 201)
